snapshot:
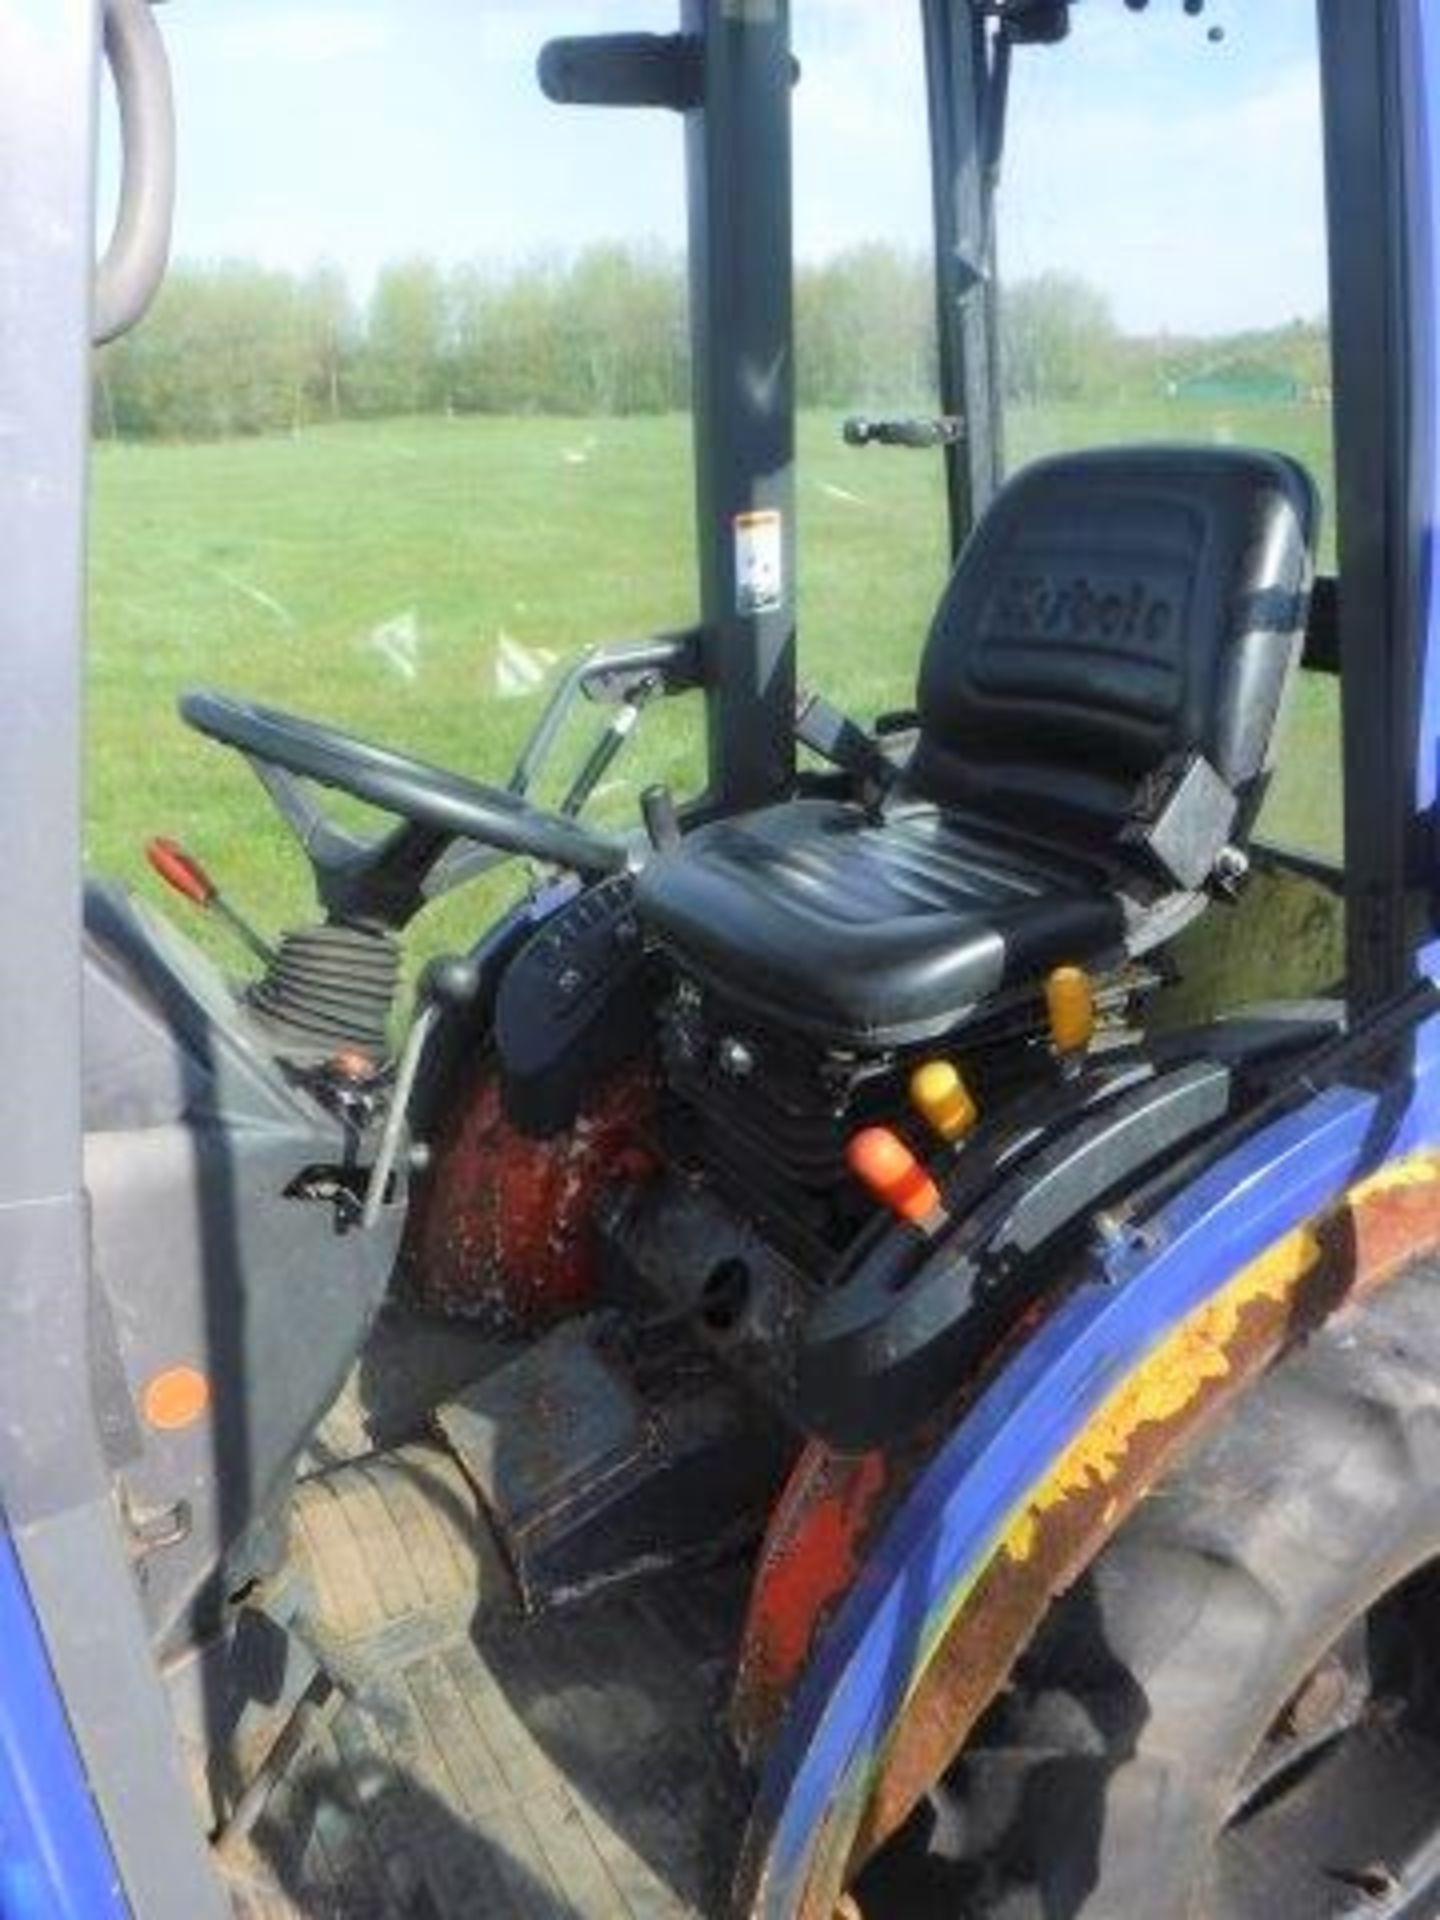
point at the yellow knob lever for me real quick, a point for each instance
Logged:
(941, 1097)
(1070, 1002)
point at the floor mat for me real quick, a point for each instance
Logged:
(568, 1767)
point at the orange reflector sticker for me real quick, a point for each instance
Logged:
(176, 1398)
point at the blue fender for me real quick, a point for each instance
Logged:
(819, 1772)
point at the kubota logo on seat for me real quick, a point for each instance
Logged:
(1075, 610)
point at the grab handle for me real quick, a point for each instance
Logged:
(129, 275)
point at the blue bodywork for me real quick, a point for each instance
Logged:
(1425, 298)
(55, 1863)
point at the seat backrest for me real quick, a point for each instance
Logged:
(1114, 611)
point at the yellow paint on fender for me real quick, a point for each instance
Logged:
(1163, 1384)
(1169, 1378)
(1196, 1352)
(1415, 1170)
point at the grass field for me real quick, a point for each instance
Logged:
(390, 577)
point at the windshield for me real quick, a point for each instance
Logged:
(407, 429)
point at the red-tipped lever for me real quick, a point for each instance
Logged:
(880, 1158)
(184, 873)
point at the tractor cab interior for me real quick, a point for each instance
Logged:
(764, 1125)
(816, 1021)
(740, 1008)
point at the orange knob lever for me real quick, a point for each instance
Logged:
(941, 1097)
(181, 871)
(1070, 1003)
(891, 1171)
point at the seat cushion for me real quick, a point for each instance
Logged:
(864, 932)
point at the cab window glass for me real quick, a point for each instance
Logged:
(873, 529)
(407, 429)
(1163, 273)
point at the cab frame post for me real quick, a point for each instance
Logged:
(739, 169)
(964, 159)
(1380, 249)
(63, 1569)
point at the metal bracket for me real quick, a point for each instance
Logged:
(625, 70)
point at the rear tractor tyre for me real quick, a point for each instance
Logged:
(1236, 1711)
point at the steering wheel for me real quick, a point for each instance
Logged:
(383, 877)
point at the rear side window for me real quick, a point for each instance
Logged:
(1163, 275)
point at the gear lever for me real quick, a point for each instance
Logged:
(447, 985)
(662, 822)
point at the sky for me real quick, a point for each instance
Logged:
(1179, 175)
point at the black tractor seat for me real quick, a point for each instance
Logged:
(1097, 701)
(882, 931)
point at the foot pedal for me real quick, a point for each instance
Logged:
(597, 1465)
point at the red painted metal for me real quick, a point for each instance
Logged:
(833, 1507)
(814, 1547)
(502, 1228)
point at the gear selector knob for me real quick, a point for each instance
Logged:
(662, 822)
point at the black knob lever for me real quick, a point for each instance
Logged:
(447, 984)
(451, 981)
(662, 822)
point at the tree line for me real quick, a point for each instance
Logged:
(235, 348)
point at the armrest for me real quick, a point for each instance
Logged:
(826, 730)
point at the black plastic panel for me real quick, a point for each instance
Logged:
(894, 1340)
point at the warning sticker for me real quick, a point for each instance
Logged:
(759, 562)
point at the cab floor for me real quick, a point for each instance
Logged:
(477, 1763)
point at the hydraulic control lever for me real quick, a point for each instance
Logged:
(662, 822)
(184, 873)
(938, 430)
(448, 984)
